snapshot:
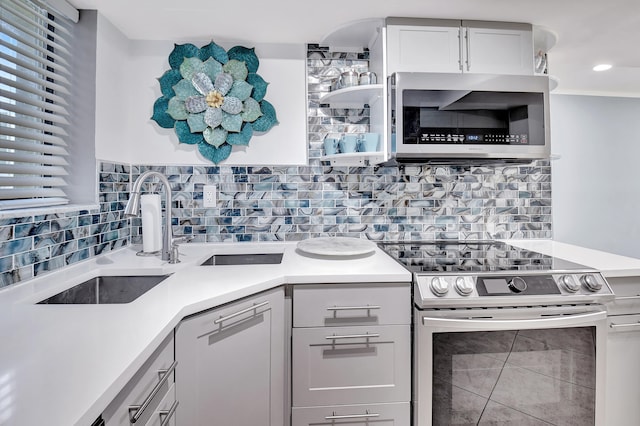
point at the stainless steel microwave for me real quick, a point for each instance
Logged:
(435, 117)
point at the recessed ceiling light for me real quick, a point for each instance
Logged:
(602, 67)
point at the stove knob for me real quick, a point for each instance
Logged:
(464, 287)
(439, 286)
(569, 283)
(517, 285)
(591, 283)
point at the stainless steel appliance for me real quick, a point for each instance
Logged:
(438, 116)
(504, 335)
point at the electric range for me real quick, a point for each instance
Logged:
(494, 273)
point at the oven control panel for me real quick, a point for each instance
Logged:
(582, 287)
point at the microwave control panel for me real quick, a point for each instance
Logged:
(443, 137)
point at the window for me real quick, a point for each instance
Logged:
(35, 80)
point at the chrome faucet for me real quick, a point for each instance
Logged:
(133, 208)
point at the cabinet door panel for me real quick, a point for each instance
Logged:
(353, 415)
(232, 371)
(499, 51)
(351, 365)
(623, 371)
(423, 48)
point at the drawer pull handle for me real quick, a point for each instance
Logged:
(627, 325)
(353, 308)
(352, 336)
(165, 415)
(243, 311)
(627, 297)
(135, 411)
(352, 416)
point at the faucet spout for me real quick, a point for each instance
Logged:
(132, 208)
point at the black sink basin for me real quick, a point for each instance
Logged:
(107, 289)
(244, 259)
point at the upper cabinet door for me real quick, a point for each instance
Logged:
(497, 48)
(453, 46)
(424, 48)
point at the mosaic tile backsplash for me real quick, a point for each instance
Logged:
(32, 245)
(291, 203)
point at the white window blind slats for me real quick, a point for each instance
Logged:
(12, 193)
(27, 134)
(35, 76)
(22, 145)
(34, 158)
(61, 21)
(46, 52)
(33, 124)
(25, 65)
(35, 109)
(29, 202)
(23, 19)
(59, 67)
(31, 181)
(34, 169)
(27, 88)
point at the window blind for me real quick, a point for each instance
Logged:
(35, 78)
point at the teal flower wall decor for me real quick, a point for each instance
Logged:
(213, 98)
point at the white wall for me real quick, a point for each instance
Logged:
(596, 180)
(128, 87)
(112, 51)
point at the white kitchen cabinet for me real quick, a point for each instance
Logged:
(351, 365)
(623, 371)
(353, 415)
(232, 364)
(351, 354)
(623, 353)
(453, 46)
(147, 392)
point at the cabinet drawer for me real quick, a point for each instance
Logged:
(353, 415)
(165, 414)
(320, 305)
(351, 365)
(141, 386)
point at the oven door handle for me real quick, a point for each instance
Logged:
(491, 321)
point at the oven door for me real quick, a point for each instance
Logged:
(525, 365)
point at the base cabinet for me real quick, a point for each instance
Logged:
(351, 354)
(232, 364)
(353, 415)
(623, 371)
(149, 395)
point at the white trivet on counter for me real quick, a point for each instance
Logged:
(336, 246)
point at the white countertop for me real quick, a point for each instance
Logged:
(63, 364)
(611, 265)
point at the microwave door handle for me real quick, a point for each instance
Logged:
(490, 324)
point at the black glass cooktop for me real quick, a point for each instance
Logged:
(471, 256)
